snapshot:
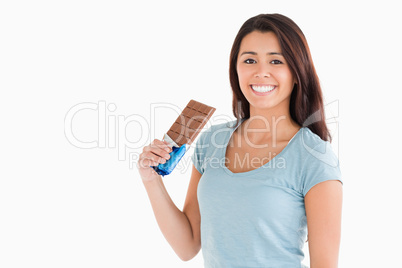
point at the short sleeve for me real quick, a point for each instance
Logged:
(321, 165)
(198, 156)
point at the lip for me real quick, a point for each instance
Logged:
(262, 93)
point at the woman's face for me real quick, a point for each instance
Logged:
(264, 76)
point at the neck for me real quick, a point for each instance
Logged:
(271, 124)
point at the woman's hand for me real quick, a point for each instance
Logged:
(152, 155)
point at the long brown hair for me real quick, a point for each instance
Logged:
(306, 101)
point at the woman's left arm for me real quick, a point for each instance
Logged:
(323, 204)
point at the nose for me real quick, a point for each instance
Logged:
(262, 71)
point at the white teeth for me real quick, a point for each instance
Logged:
(263, 89)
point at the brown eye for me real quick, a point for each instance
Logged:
(276, 62)
(249, 61)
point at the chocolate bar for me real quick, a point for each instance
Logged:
(183, 132)
(190, 122)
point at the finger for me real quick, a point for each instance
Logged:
(163, 152)
(146, 163)
(155, 157)
(160, 152)
(156, 154)
(162, 144)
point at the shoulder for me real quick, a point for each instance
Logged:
(318, 160)
(310, 139)
(315, 150)
(208, 142)
(216, 131)
(223, 126)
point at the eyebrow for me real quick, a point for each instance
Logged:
(255, 53)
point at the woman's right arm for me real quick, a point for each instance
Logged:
(180, 228)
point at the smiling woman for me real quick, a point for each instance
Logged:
(283, 44)
(260, 183)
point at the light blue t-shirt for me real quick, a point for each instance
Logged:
(257, 218)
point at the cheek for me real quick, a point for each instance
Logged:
(240, 75)
(285, 77)
(243, 74)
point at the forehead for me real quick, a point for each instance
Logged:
(259, 41)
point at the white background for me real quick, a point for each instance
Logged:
(65, 206)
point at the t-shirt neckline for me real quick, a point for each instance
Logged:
(250, 172)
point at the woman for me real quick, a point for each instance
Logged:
(259, 182)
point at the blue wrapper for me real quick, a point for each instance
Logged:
(175, 156)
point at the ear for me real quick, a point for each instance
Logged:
(294, 79)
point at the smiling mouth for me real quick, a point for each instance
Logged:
(263, 89)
